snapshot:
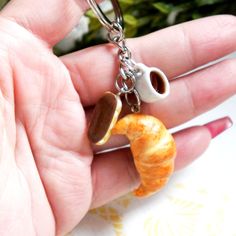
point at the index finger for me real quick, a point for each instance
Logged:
(175, 50)
(50, 20)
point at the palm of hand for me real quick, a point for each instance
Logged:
(46, 179)
(44, 130)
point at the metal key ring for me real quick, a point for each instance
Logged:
(105, 21)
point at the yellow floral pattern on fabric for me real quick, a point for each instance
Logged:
(173, 214)
(112, 216)
(179, 217)
(125, 201)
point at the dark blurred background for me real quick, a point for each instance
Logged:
(141, 17)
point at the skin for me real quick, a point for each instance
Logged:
(49, 175)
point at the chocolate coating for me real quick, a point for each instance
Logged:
(104, 117)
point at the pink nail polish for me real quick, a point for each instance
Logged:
(219, 126)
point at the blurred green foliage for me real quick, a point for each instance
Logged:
(2, 3)
(144, 16)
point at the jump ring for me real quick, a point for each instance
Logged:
(135, 107)
(115, 38)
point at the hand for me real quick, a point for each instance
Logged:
(49, 177)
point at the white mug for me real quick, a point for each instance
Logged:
(151, 83)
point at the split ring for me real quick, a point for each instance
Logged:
(105, 21)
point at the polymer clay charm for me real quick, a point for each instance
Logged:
(151, 83)
(153, 149)
(104, 118)
(152, 146)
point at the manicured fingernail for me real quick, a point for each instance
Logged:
(219, 126)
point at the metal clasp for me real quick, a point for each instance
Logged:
(105, 21)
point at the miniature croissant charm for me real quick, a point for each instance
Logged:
(153, 149)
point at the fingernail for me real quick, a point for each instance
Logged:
(219, 126)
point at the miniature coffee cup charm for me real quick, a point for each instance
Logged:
(151, 83)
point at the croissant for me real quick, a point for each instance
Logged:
(153, 149)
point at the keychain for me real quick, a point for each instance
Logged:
(152, 147)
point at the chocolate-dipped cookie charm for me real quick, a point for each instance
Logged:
(104, 117)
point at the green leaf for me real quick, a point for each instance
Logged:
(2, 3)
(196, 15)
(90, 13)
(207, 2)
(94, 24)
(163, 7)
(130, 32)
(143, 21)
(128, 2)
(130, 20)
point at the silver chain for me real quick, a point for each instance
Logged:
(126, 79)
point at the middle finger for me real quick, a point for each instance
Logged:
(190, 96)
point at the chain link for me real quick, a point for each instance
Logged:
(125, 82)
